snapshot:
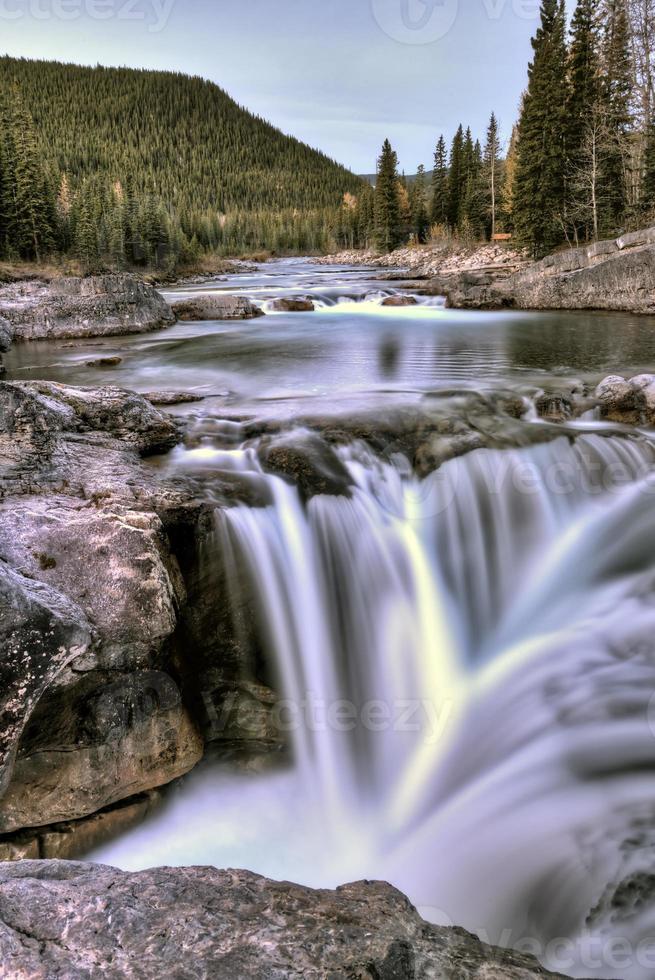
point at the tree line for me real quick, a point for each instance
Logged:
(580, 164)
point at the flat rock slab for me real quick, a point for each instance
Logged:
(81, 921)
(216, 307)
(98, 306)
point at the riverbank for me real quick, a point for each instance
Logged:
(615, 275)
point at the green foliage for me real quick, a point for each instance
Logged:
(388, 217)
(194, 170)
(539, 202)
(439, 211)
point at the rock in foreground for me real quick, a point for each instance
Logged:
(78, 921)
(99, 306)
(628, 402)
(217, 307)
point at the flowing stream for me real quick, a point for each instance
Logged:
(466, 660)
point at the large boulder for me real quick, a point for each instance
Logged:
(79, 921)
(121, 414)
(399, 301)
(98, 306)
(216, 306)
(297, 305)
(630, 402)
(41, 634)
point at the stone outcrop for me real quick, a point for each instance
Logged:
(91, 597)
(399, 301)
(215, 306)
(98, 306)
(616, 275)
(629, 402)
(77, 921)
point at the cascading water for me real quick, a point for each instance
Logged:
(466, 672)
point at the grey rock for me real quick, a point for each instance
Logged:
(122, 414)
(105, 362)
(41, 633)
(99, 306)
(120, 740)
(82, 921)
(628, 402)
(164, 398)
(309, 462)
(6, 335)
(215, 307)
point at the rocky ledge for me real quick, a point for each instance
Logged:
(215, 307)
(78, 921)
(616, 275)
(98, 306)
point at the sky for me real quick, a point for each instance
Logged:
(342, 75)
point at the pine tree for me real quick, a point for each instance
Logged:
(418, 206)
(492, 173)
(539, 206)
(456, 178)
(648, 190)
(440, 198)
(620, 183)
(388, 222)
(509, 181)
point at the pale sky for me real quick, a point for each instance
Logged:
(340, 74)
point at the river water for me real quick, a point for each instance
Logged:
(466, 658)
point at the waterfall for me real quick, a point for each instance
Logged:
(467, 673)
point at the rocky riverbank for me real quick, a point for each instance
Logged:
(77, 921)
(615, 275)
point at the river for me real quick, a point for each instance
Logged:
(464, 652)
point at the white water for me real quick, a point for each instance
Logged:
(467, 671)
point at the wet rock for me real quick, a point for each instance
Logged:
(77, 921)
(399, 301)
(215, 307)
(120, 740)
(41, 634)
(291, 305)
(554, 407)
(105, 362)
(307, 461)
(98, 306)
(164, 398)
(627, 402)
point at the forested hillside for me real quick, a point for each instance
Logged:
(165, 156)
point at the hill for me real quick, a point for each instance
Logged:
(179, 139)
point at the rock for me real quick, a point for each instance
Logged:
(164, 398)
(41, 633)
(120, 740)
(291, 305)
(554, 407)
(122, 414)
(627, 402)
(105, 362)
(307, 461)
(6, 335)
(216, 306)
(399, 301)
(99, 306)
(79, 921)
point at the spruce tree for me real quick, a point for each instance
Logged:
(440, 200)
(648, 188)
(619, 186)
(418, 207)
(539, 205)
(388, 222)
(456, 178)
(492, 173)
